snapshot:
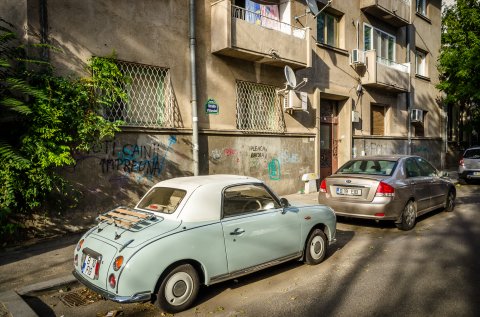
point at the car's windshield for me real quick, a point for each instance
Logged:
(162, 199)
(472, 154)
(370, 167)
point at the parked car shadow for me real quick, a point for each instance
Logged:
(207, 293)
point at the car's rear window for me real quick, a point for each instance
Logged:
(162, 199)
(472, 154)
(369, 167)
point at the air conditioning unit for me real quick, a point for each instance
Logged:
(416, 116)
(295, 101)
(357, 57)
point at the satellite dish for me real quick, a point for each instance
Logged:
(312, 5)
(290, 77)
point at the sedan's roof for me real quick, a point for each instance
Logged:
(393, 157)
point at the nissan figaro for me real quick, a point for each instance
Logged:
(198, 230)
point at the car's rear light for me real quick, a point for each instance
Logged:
(79, 244)
(112, 280)
(323, 186)
(117, 264)
(462, 162)
(380, 214)
(385, 190)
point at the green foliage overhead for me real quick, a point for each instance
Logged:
(459, 62)
(44, 119)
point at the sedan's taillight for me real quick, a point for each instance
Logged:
(462, 162)
(323, 186)
(385, 190)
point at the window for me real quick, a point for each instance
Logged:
(258, 108)
(411, 168)
(380, 41)
(421, 63)
(247, 198)
(327, 29)
(162, 199)
(372, 167)
(422, 7)
(426, 169)
(378, 120)
(150, 100)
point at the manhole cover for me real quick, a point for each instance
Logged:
(79, 297)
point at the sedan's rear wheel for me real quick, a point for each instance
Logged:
(316, 247)
(409, 215)
(178, 289)
(450, 203)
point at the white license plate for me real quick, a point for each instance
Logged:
(88, 266)
(349, 191)
(476, 173)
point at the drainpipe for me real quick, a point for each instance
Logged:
(44, 28)
(194, 88)
(409, 93)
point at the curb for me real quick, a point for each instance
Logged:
(13, 305)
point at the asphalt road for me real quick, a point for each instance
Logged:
(373, 270)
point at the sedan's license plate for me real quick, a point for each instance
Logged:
(349, 191)
(89, 266)
(476, 173)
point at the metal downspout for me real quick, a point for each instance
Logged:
(409, 93)
(194, 88)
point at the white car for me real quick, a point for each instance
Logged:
(469, 166)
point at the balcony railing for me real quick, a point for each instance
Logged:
(251, 36)
(400, 67)
(267, 22)
(385, 74)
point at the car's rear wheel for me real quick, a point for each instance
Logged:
(450, 203)
(178, 289)
(316, 247)
(408, 218)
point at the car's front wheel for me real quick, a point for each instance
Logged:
(316, 247)
(408, 218)
(178, 289)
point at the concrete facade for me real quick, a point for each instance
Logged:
(234, 45)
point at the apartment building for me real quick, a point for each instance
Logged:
(366, 71)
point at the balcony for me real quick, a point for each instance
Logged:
(385, 74)
(250, 36)
(394, 12)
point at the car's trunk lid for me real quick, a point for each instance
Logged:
(133, 230)
(354, 187)
(471, 163)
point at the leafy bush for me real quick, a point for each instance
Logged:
(44, 119)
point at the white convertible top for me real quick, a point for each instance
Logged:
(203, 200)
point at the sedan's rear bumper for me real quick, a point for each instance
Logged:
(139, 297)
(381, 208)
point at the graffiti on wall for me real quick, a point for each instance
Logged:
(138, 162)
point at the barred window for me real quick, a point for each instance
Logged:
(150, 101)
(258, 108)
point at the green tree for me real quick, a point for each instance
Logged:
(459, 61)
(44, 119)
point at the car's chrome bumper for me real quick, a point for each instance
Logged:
(139, 297)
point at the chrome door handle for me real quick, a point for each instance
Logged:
(237, 232)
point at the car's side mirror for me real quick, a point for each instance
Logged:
(284, 202)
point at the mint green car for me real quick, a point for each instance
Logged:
(197, 230)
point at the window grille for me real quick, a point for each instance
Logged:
(259, 108)
(150, 99)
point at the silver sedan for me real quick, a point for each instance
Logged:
(398, 188)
